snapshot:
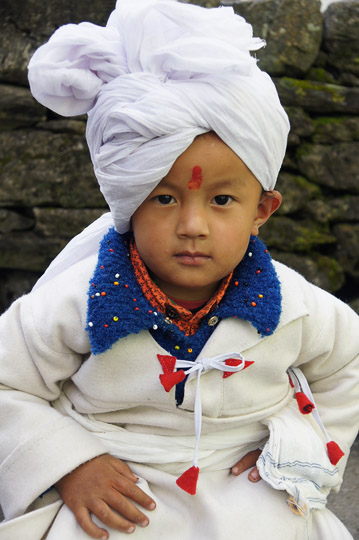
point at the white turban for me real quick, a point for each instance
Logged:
(160, 73)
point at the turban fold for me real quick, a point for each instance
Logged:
(160, 73)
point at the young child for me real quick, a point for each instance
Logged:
(140, 378)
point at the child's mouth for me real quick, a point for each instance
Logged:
(192, 258)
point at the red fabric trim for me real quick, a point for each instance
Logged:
(235, 362)
(167, 362)
(169, 380)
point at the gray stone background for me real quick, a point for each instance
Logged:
(48, 192)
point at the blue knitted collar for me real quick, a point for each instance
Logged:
(117, 307)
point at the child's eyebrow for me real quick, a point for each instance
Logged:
(229, 182)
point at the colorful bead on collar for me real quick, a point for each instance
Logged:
(117, 306)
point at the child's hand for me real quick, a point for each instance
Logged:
(104, 486)
(245, 463)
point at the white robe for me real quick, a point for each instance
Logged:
(48, 374)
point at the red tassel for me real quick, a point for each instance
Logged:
(235, 362)
(188, 480)
(304, 404)
(169, 380)
(335, 453)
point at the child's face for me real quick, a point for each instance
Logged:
(194, 227)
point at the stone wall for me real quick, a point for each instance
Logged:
(48, 192)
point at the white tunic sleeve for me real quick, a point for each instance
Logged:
(42, 343)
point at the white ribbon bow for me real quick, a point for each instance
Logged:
(200, 366)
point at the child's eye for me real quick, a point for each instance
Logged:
(165, 199)
(222, 200)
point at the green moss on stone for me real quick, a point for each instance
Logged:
(303, 150)
(304, 184)
(327, 120)
(309, 237)
(205, 3)
(320, 74)
(332, 270)
(302, 87)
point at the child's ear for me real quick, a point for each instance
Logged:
(269, 202)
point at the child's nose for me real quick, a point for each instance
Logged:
(193, 222)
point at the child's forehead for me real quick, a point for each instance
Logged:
(197, 179)
(208, 161)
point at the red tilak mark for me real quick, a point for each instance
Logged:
(196, 180)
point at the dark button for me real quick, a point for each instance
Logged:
(171, 312)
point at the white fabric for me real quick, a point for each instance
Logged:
(81, 247)
(84, 405)
(290, 462)
(201, 366)
(159, 74)
(301, 385)
(181, 517)
(218, 450)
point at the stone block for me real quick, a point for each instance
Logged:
(330, 130)
(40, 168)
(13, 284)
(28, 251)
(317, 97)
(16, 50)
(26, 25)
(291, 235)
(63, 222)
(316, 73)
(296, 192)
(13, 221)
(292, 30)
(336, 210)
(40, 19)
(347, 247)
(340, 36)
(18, 108)
(301, 123)
(334, 166)
(323, 271)
(65, 125)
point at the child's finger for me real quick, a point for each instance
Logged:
(133, 492)
(120, 513)
(123, 468)
(246, 462)
(254, 475)
(106, 513)
(84, 520)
